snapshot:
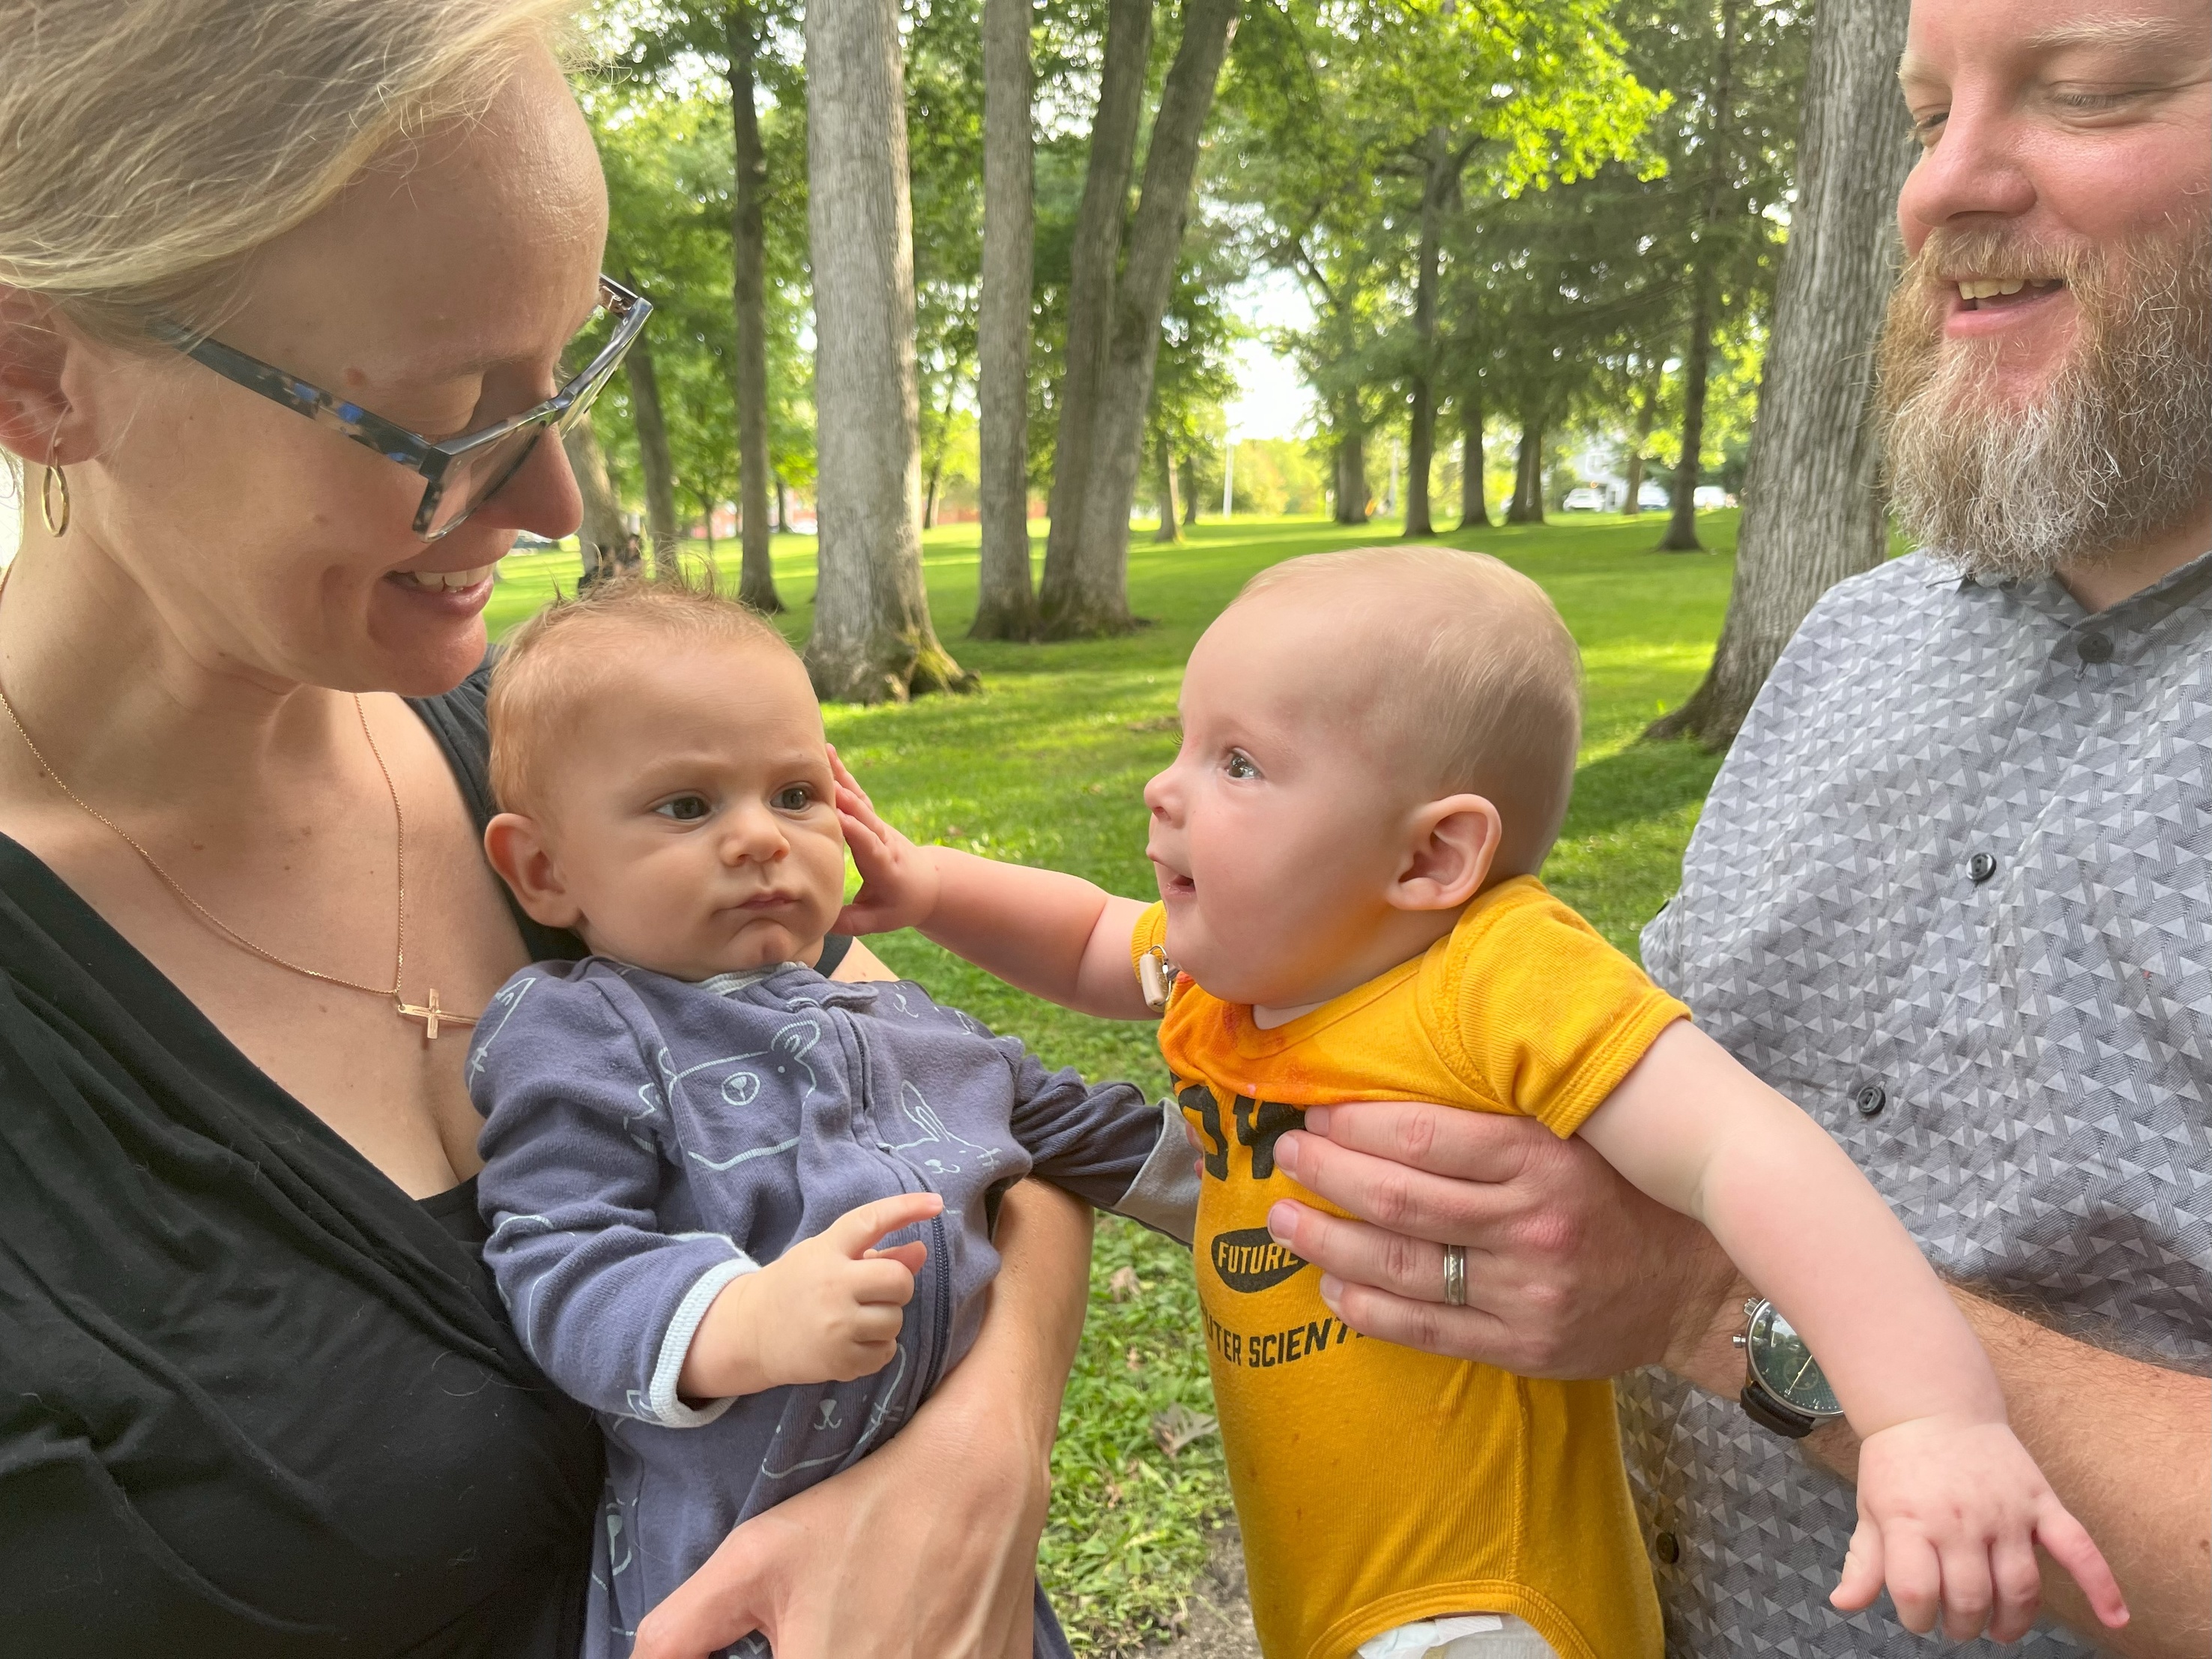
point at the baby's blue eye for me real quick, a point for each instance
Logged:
(684, 809)
(1239, 765)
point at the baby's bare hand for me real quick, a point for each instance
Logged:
(898, 884)
(828, 1309)
(1950, 1514)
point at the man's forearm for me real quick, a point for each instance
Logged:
(2124, 1444)
(1037, 1303)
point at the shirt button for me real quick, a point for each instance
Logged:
(1981, 867)
(1871, 1099)
(1670, 1548)
(2095, 647)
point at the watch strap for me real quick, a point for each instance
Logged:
(1773, 1415)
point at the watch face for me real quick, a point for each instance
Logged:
(1785, 1365)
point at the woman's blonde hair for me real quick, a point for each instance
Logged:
(150, 145)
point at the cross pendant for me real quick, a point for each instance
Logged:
(432, 1016)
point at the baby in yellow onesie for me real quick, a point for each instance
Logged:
(1377, 750)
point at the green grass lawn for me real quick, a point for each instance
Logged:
(1046, 766)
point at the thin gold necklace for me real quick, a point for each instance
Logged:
(431, 1014)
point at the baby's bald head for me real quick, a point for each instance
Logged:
(1454, 667)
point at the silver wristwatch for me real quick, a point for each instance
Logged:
(1785, 1391)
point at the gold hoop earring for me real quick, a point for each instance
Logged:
(47, 500)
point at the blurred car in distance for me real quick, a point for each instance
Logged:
(1587, 498)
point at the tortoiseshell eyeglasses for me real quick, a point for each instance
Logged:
(460, 474)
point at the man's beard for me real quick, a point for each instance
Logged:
(2114, 448)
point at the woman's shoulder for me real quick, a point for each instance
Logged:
(457, 719)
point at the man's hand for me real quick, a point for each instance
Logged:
(1950, 1514)
(827, 1310)
(898, 881)
(1571, 1271)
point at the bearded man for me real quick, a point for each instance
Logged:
(1951, 892)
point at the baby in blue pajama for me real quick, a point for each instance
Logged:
(742, 1210)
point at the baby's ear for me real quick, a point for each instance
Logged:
(1448, 853)
(517, 848)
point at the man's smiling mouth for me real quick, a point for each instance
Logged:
(1975, 292)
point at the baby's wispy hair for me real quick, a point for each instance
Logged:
(556, 663)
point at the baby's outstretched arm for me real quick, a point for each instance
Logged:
(827, 1310)
(1058, 936)
(1951, 1506)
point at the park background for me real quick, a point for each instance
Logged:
(996, 343)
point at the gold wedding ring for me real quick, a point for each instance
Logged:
(1456, 1274)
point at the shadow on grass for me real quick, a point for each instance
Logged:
(1643, 782)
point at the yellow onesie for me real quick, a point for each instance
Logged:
(1376, 1484)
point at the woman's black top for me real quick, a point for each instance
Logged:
(254, 1399)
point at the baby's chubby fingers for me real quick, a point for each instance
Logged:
(1915, 1575)
(1861, 1579)
(1967, 1599)
(2071, 1547)
(846, 780)
(2017, 1581)
(858, 1231)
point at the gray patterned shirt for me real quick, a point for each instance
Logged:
(1950, 894)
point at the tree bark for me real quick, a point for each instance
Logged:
(1093, 258)
(653, 457)
(1439, 183)
(782, 506)
(1189, 490)
(741, 25)
(1164, 488)
(873, 640)
(600, 537)
(1813, 511)
(1474, 511)
(1086, 586)
(1681, 535)
(1005, 602)
(1526, 506)
(1351, 476)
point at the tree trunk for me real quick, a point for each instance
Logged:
(653, 458)
(929, 496)
(1351, 476)
(1526, 506)
(782, 506)
(1170, 530)
(1093, 257)
(741, 27)
(1005, 603)
(1647, 414)
(873, 640)
(1681, 535)
(601, 535)
(1087, 584)
(1474, 511)
(1189, 490)
(1441, 175)
(1813, 512)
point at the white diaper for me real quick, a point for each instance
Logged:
(1461, 1636)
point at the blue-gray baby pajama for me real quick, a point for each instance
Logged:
(648, 1141)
